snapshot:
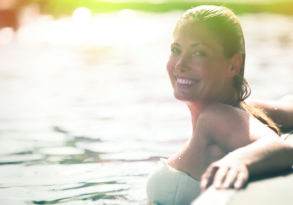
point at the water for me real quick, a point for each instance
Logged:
(87, 109)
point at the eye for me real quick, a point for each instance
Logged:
(199, 53)
(175, 51)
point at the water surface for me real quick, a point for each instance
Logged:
(87, 110)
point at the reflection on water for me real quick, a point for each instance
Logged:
(86, 108)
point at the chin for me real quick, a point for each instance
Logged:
(183, 97)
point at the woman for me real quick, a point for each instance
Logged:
(206, 69)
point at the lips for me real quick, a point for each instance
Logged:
(185, 82)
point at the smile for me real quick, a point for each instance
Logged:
(184, 82)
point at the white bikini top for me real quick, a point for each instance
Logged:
(169, 186)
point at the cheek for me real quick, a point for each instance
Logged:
(170, 68)
(213, 83)
(171, 65)
(211, 71)
(212, 78)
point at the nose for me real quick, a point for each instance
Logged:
(182, 64)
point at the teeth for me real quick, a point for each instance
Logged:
(184, 81)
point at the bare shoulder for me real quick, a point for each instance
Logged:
(222, 117)
(231, 127)
(220, 108)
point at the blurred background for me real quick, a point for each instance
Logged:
(86, 107)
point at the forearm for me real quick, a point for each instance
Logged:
(265, 156)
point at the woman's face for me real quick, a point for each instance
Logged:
(197, 67)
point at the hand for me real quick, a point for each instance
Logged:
(224, 174)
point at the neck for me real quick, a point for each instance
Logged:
(195, 108)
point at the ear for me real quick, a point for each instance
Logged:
(235, 64)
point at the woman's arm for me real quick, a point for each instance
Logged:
(253, 148)
(262, 156)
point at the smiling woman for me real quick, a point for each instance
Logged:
(206, 70)
(201, 48)
(195, 55)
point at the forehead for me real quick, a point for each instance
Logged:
(187, 33)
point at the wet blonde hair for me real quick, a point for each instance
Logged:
(226, 27)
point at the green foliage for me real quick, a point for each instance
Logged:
(60, 7)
